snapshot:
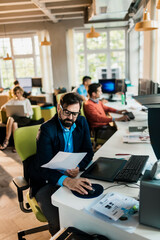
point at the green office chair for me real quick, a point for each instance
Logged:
(25, 144)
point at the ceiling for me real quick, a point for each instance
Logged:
(24, 11)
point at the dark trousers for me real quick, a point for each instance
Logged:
(43, 197)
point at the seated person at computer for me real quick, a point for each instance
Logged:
(95, 111)
(11, 94)
(68, 132)
(14, 122)
(83, 88)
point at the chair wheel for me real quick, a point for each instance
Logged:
(27, 205)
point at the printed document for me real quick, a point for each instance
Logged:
(65, 160)
(114, 205)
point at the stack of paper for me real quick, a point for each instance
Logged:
(136, 138)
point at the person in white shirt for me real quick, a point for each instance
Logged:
(14, 121)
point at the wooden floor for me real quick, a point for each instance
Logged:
(12, 219)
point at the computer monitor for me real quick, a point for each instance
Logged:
(121, 86)
(150, 101)
(37, 82)
(146, 87)
(25, 83)
(108, 85)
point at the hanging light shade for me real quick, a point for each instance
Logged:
(147, 24)
(92, 33)
(158, 5)
(7, 57)
(45, 42)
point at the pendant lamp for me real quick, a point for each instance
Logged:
(7, 58)
(147, 24)
(158, 5)
(92, 33)
(45, 42)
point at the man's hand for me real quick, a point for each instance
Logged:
(77, 184)
(121, 111)
(124, 118)
(73, 172)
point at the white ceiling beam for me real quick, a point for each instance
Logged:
(45, 1)
(19, 8)
(46, 11)
(27, 16)
(24, 14)
(22, 21)
(69, 4)
(67, 11)
(14, 2)
(70, 18)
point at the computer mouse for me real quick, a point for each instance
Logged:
(97, 190)
(90, 191)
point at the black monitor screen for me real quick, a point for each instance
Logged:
(37, 82)
(108, 85)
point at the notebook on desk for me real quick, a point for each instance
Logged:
(17, 110)
(112, 169)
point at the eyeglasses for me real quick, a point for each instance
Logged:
(67, 113)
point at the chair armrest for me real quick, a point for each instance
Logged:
(21, 183)
(3, 116)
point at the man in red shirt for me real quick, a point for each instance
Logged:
(97, 113)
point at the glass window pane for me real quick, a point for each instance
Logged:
(5, 47)
(79, 41)
(118, 62)
(80, 67)
(6, 73)
(117, 39)
(22, 46)
(97, 43)
(96, 61)
(38, 67)
(36, 44)
(24, 67)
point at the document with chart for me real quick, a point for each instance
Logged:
(114, 205)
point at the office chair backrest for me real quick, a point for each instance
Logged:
(25, 141)
(82, 110)
(58, 97)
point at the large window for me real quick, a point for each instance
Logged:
(25, 58)
(102, 57)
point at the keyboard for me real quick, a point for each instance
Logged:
(132, 170)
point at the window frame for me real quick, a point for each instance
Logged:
(106, 50)
(33, 55)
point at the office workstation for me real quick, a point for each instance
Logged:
(77, 208)
(49, 46)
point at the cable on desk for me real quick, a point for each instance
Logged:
(132, 186)
(125, 184)
(116, 185)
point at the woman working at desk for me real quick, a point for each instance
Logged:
(14, 121)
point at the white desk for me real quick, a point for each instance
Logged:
(71, 208)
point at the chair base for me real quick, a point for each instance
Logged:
(23, 233)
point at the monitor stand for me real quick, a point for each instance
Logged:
(110, 99)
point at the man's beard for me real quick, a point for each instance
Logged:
(67, 122)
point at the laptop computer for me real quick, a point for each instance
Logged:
(17, 110)
(110, 169)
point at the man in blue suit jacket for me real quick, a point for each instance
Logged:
(68, 132)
